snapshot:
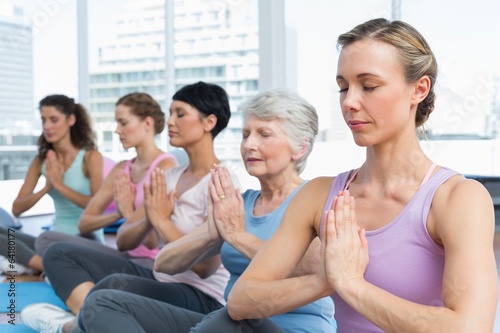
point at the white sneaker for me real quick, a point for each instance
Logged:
(45, 317)
(16, 268)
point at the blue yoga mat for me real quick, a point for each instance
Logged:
(18, 295)
(17, 328)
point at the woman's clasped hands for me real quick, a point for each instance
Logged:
(159, 204)
(226, 215)
(344, 246)
(54, 170)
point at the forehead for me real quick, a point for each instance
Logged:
(180, 105)
(369, 56)
(254, 122)
(123, 111)
(50, 111)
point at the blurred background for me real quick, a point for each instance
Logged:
(97, 51)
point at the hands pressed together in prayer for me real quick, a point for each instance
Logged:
(123, 194)
(54, 170)
(158, 204)
(226, 215)
(344, 246)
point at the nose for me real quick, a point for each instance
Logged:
(248, 143)
(170, 120)
(117, 129)
(350, 100)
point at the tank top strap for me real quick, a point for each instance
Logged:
(127, 164)
(428, 174)
(160, 158)
(351, 178)
(338, 184)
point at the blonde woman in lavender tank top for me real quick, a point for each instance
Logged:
(407, 246)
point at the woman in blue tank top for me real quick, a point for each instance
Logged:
(274, 149)
(406, 246)
(72, 167)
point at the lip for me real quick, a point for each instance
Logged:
(171, 133)
(253, 160)
(356, 124)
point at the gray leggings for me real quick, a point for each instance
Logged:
(68, 265)
(26, 246)
(118, 311)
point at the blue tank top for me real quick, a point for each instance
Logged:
(314, 317)
(67, 214)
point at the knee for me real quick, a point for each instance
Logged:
(96, 305)
(55, 252)
(116, 281)
(43, 241)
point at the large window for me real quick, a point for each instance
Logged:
(97, 51)
(465, 38)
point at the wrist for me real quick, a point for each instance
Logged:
(350, 287)
(57, 186)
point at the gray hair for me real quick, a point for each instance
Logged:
(298, 117)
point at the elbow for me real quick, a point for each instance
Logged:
(121, 245)
(233, 309)
(164, 267)
(16, 211)
(17, 208)
(236, 307)
(83, 226)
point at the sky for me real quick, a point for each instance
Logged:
(464, 35)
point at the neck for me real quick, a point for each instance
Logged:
(201, 157)
(147, 153)
(386, 165)
(64, 149)
(279, 187)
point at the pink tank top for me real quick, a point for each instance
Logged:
(142, 251)
(404, 259)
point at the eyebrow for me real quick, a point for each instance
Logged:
(359, 76)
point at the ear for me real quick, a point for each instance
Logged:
(421, 89)
(210, 122)
(150, 122)
(71, 119)
(299, 153)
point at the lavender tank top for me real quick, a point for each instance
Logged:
(404, 259)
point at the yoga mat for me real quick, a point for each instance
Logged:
(14, 297)
(17, 328)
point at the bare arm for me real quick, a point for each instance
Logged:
(462, 220)
(189, 251)
(269, 280)
(92, 217)
(133, 231)
(26, 198)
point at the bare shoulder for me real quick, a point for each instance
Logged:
(460, 205)
(111, 175)
(320, 185)
(459, 190)
(310, 201)
(93, 156)
(167, 163)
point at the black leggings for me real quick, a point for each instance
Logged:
(117, 311)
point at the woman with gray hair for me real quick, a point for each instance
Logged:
(278, 135)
